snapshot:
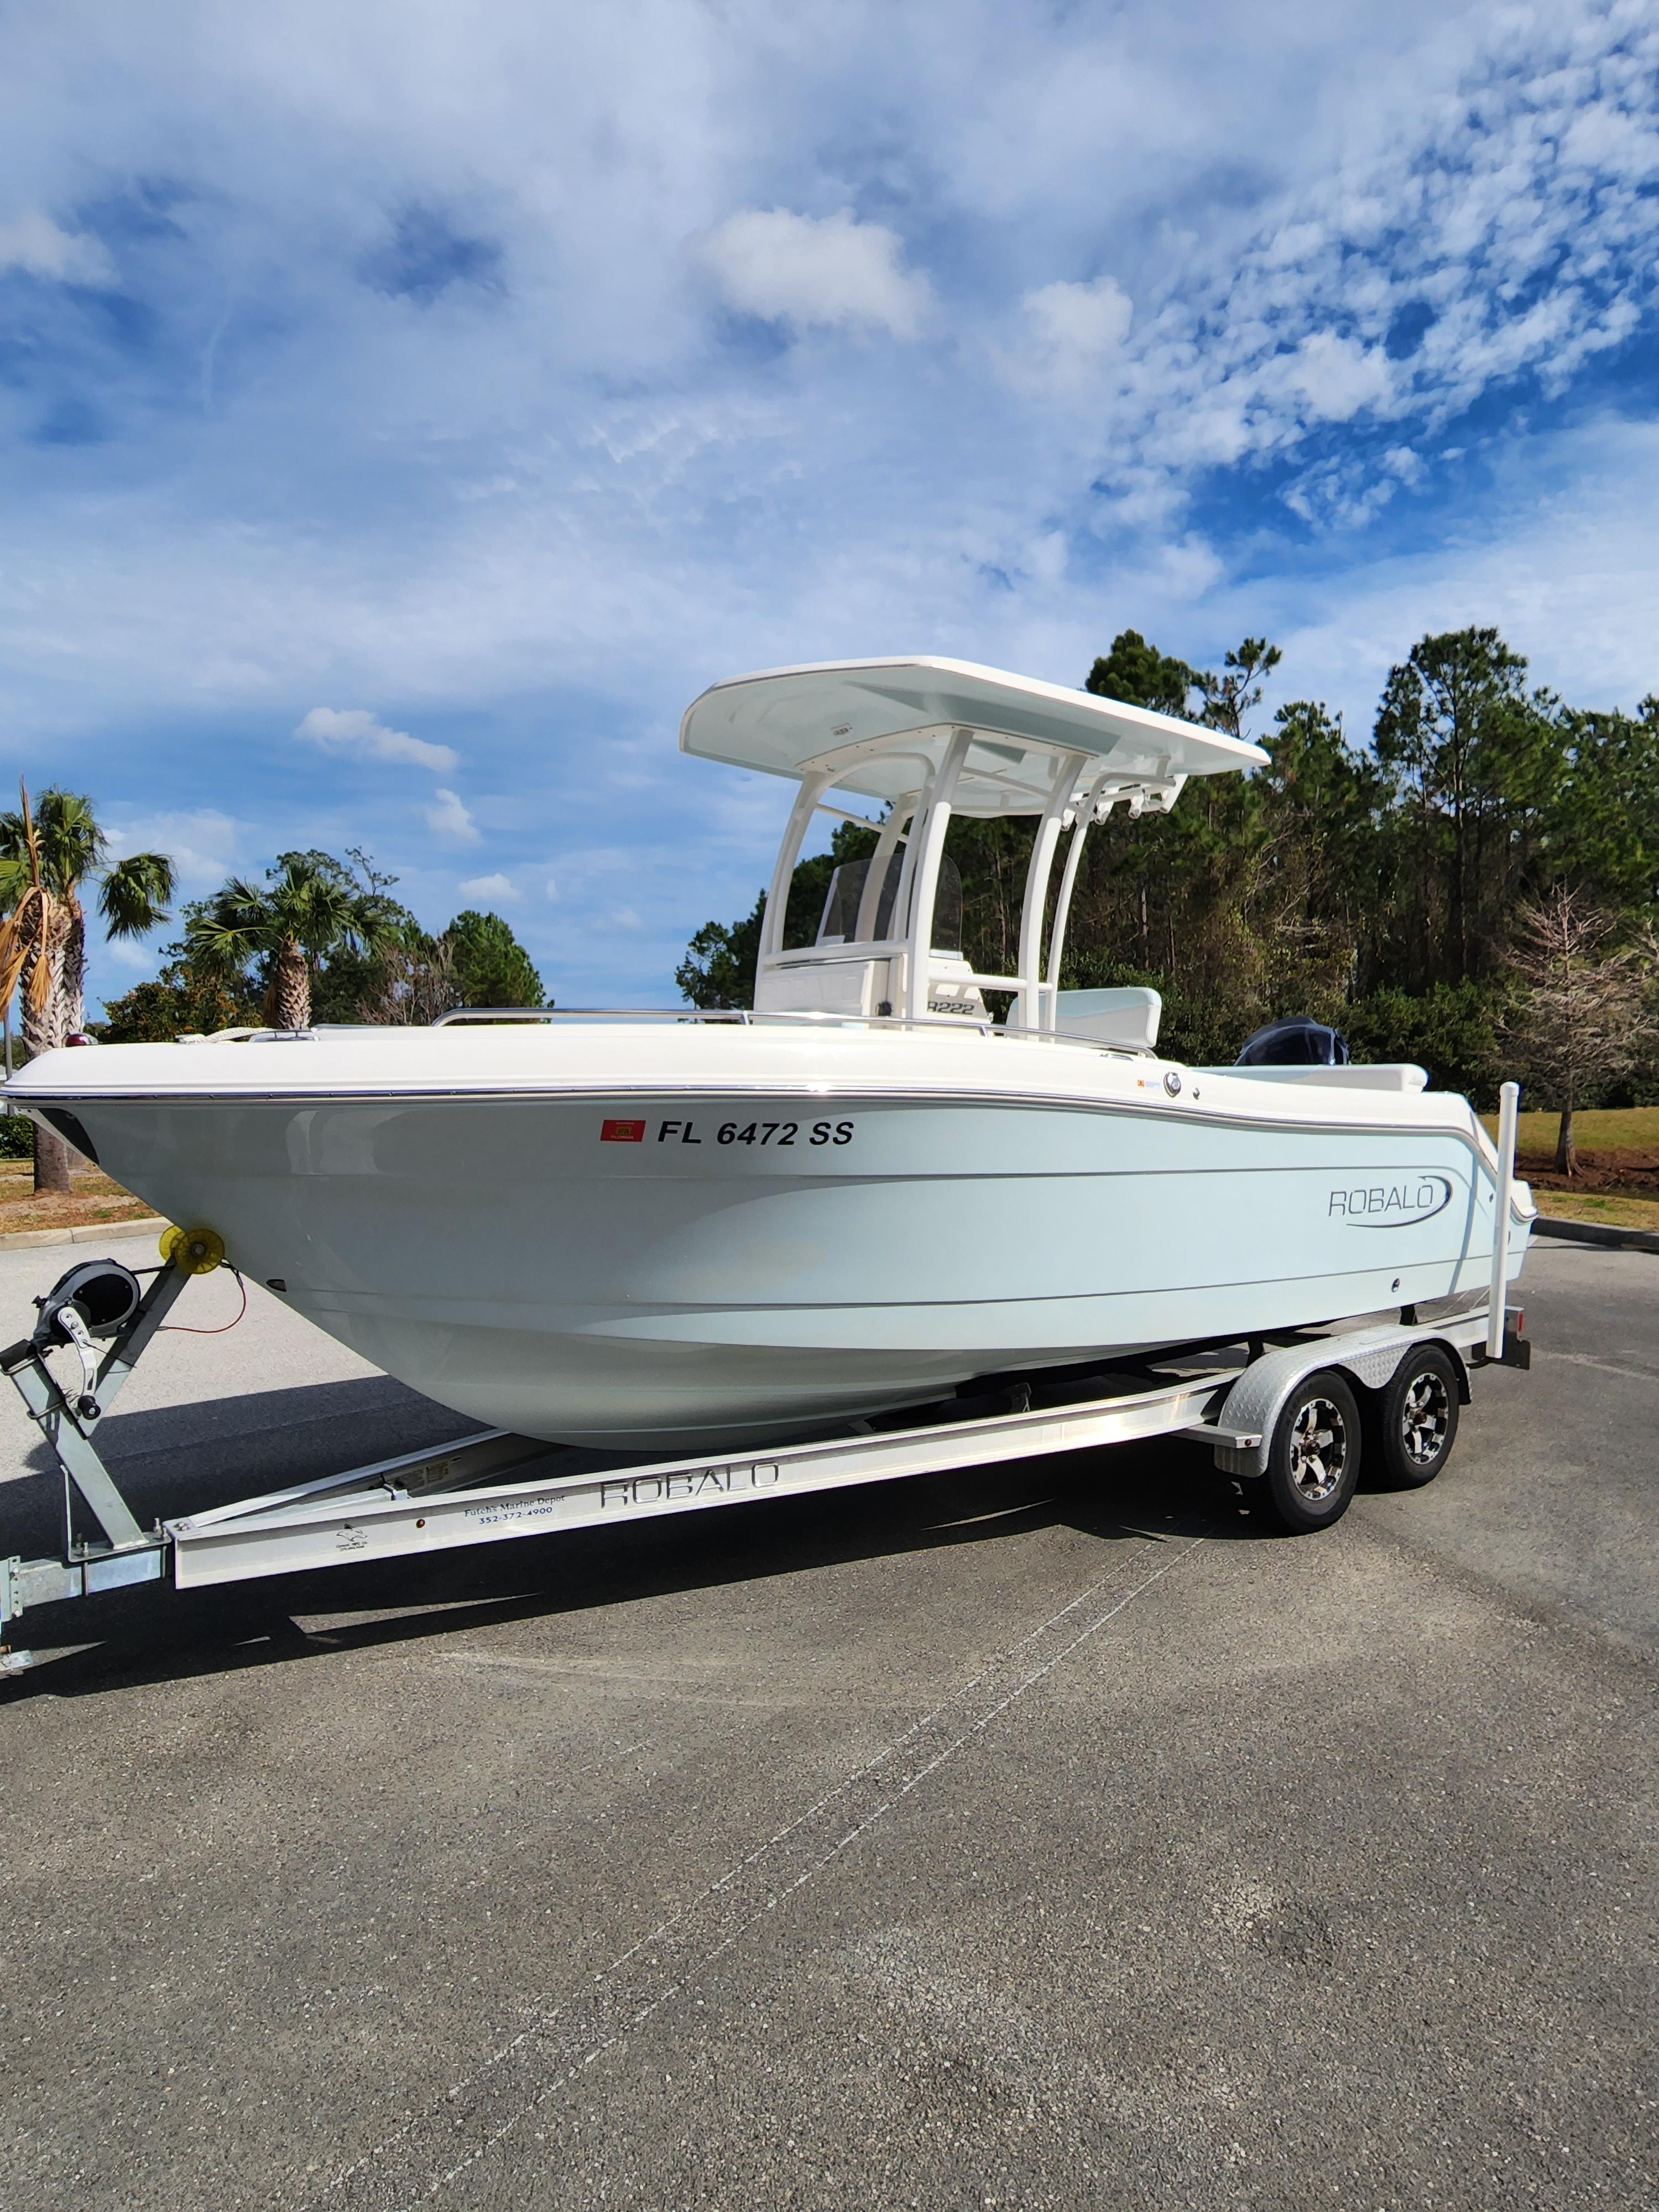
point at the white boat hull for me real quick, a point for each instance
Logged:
(519, 1254)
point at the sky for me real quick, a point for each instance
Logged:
(407, 410)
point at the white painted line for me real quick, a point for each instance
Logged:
(417, 2160)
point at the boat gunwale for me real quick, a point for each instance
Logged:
(1146, 1108)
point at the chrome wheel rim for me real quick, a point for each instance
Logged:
(1425, 1417)
(1319, 1450)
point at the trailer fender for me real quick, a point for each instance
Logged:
(1370, 1358)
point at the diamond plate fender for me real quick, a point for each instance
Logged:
(1369, 1357)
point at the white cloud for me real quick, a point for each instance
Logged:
(1076, 328)
(1336, 377)
(138, 958)
(551, 887)
(491, 887)
(34, 243)
(1563, 564)
(803, 269)
(203, 844)
(560, 508)
(355, 731)
(448, 818)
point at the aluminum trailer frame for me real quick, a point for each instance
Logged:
(442, 1500)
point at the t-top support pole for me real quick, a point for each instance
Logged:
(1092, 809)
(1509, 1100)
(1031, 1011)
(929, 850)
(812, 789)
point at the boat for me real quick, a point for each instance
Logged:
(643, 1230)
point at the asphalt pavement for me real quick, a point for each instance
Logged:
(1048, 1836)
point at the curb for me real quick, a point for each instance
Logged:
(96, 1232)
(1596, 1232)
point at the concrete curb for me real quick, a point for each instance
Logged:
(1597, 1232)
(96, 1232)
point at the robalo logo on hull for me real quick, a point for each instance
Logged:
(1392, 1202)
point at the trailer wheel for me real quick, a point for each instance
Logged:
(1313, 1461)
(1413, 1419)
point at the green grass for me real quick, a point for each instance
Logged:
(1600, 1129)
(1597, 1206)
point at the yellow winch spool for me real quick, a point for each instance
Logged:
(194, 1251)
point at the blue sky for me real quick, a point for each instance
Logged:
(407, 410)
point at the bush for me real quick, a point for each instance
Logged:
(1452, 1030)
(17, 1137)
(177, 1005)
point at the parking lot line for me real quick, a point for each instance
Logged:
(563, 2042)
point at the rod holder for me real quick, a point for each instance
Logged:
(1509, 1102)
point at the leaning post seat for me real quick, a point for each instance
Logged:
(1127, 1017)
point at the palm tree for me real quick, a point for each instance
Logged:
(46, 856)
(307, 909)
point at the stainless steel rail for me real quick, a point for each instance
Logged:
(745, 1017)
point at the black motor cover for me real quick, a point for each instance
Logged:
(1296, 1041)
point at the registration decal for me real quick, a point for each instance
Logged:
(622, 1132)
(781, 1135)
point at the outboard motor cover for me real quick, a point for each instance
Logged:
(1295, 1042)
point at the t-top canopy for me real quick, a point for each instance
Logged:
(882, 725)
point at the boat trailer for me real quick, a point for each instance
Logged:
(1284, 1402)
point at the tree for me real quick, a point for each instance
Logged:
(1605, 828)
(1324, 856)
(1452, 1030)
(489, 965)
(1141, 676)
(411, 984)
(718, 970)
(1477, 766)
(322, 940)
(1230, 697)
(1190, 902)
(1583, 1015)
(48, 856)
(390, 975)
(308, 907)
(177, 1003)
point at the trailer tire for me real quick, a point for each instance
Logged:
(1412, 1423)
(1312, 1461)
